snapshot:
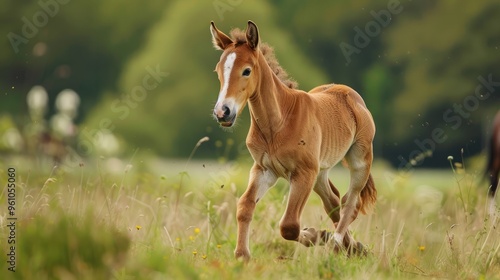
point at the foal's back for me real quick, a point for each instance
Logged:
(345, 120)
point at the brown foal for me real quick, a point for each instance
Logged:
(296, 135)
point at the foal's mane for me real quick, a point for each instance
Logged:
(239, 38)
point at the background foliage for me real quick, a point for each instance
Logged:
(426, 58)
(418, 65)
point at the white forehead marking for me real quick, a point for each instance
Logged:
(228, 67)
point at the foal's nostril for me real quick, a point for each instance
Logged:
(226, 110)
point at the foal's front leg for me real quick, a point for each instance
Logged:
(301, 184)
(260, 181)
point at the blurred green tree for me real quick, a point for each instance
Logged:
(412, 61)
(171, 117)
(440, 50)
(68, 44)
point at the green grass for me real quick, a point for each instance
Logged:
(176, 220)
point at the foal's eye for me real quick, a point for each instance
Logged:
(247, 72)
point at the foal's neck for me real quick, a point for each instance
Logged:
(268, 105)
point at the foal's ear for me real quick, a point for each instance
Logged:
(252, 35)
(219, 39)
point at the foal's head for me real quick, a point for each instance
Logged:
(237, 70)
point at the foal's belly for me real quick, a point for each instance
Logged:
(334, 149)
(329, 163)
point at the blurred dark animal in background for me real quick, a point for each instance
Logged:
(493, 167)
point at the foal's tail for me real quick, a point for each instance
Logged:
(368, 195)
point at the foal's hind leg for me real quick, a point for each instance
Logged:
(330, 197)
(359, 159)
(331, 202)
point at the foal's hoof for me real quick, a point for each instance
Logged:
(308, 237)
(357, 249)
(354, 249)
(311, 237)
(242, 256)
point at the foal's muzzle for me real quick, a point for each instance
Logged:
(224, 115)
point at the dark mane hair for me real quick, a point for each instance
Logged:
(238, 36)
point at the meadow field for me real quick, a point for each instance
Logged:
(101, 102)
(154, 219)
